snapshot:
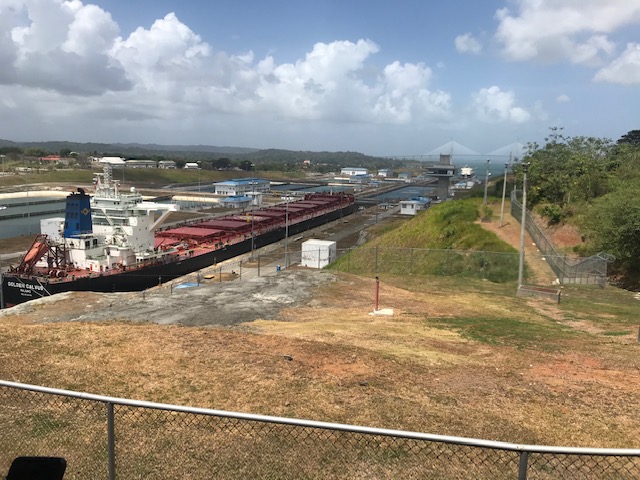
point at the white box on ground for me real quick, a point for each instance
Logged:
(318, 253)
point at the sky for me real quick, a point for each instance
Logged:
(383, 78)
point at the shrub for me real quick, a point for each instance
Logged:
(553, 213)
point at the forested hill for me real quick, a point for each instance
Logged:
(592, 183)
(199, 152)
(129, 149)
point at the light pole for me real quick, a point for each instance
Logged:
(253, 201)
(486, 184)
(286, 234)
(504, 192)
(525, 169)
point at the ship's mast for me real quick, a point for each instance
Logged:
(105, 186)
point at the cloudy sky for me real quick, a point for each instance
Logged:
(379, 77)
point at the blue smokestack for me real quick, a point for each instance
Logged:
(77, 218)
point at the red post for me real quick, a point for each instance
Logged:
(377, 292)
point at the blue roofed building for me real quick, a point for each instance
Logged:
(242, 186)
(236, 201)
(414, 205)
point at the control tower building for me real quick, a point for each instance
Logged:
(443, 171)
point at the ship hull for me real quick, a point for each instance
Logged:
(19, 289)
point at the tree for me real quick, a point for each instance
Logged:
(632, 137)
(221, 164)
(613, 225)
(245, 165)
(568, 169)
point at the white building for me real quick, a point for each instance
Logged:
(116, 162)
(351, 171)
(413, 206)
(385, 172)
(141, 164)
(191, 166)
(242, 186)
(318, 253)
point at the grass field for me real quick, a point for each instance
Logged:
(459, 357)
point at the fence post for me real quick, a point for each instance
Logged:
(522, 466)
(484, 264)
(375, 268)
(220, 273)
(240, 274)
(348, 260)
(111, 443)
(258, 264)
(410, 261)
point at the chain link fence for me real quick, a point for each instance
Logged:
(104, 437)
(494, 266)
(586, 271)
(497, 267)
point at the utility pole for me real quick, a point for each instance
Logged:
(253, 201)
(486, 184)
(523, 219)
(286, 234)
(504, 193)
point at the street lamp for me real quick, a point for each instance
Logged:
(286, 234)
(253, 202)
(486, 183)
(504, 192)
(525, 169)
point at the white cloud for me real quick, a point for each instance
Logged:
(624, 70)
(70, 49)
(59, 46)
(574, 30)
(494, 105)
(563, 98)
(468, 44)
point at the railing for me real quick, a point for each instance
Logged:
(107, 437)
(590, 270)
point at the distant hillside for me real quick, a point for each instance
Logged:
(208, 153)
(129, 149)
(351, 159)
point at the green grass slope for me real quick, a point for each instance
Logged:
(444, 240)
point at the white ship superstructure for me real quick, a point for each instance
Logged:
(122, 228)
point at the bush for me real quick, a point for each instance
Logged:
(553, 213)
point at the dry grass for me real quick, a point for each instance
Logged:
(411, 371)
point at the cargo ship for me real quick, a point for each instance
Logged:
(111, 241)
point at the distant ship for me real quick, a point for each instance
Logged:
(466, 179)
(110, 242)
(4, 207)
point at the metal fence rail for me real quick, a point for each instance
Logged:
(591, 270)
(106, 437)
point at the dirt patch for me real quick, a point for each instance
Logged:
(539, 271)
(213, 303)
